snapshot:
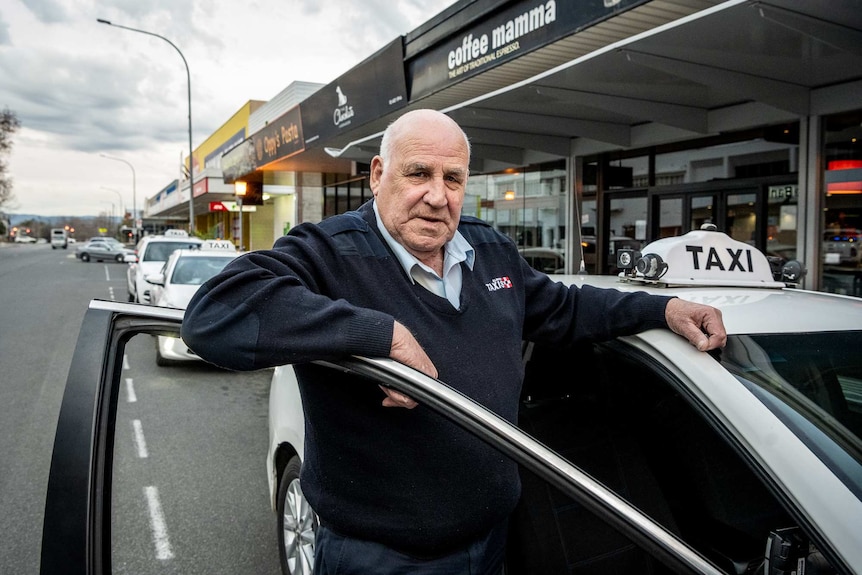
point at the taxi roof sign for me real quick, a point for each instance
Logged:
(218, 245)
(703, 257)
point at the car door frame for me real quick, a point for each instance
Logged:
(76, 537)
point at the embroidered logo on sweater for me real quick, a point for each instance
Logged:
(499, 283)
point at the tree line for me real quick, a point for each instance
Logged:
(9, 124)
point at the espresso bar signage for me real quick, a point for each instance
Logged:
(508, 34)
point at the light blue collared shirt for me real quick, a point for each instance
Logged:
(457, 250)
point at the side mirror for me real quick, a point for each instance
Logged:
(155, 279)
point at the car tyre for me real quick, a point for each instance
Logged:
(120, 258)
(297, 523)
(85, 257)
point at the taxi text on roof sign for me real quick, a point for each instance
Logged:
(218, 245)
(701, 257)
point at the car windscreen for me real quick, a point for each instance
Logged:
(813, 382)
(197, 270)
(160, 251)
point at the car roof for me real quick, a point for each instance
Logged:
(753, 310)
(150, 239)
(709, 267)
(187, 254)
(207, 248)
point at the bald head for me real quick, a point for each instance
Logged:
(411, 122)
(419, 180)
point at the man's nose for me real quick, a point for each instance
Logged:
(436, 194)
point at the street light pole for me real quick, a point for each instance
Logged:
(113, 205)
(119, 197)
(134, 190)
(191, 150)
(239, 189)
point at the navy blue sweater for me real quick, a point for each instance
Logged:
(409, 479)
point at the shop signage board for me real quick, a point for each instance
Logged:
(505, 35)
(368, 91)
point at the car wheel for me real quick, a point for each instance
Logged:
(297, 524)
(120, 258)
(85, 257)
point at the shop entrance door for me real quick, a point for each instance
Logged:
(740, 212)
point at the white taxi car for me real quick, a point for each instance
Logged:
(177, 281)
(749, 459)
(637, 455)
(151, 253)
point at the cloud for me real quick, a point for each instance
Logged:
(81, 88)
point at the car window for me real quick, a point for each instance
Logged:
(160, 251)
(196, 270)
(813, 380)
(631, 428)
(188, 480)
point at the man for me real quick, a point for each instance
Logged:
(406, 277)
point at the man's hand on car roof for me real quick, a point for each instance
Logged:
(698, 323)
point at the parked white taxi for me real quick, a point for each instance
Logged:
(178, 280)
(749, 459)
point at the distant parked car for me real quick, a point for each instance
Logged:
(548, 260)
(59, 238)
(842, 247)
(25, 239)
(102, 251)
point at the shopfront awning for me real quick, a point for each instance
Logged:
(710, 68)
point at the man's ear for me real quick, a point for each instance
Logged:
(376, 174)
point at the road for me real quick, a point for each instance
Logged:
(190, 493)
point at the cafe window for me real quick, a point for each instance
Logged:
(842, 206)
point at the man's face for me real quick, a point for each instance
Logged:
(420, 192)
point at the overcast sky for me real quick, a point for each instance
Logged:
(81, 89)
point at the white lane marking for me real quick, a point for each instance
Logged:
(157, 524)
(140, 442)
(107, 273)
(111, 293)
(130, 391)
(125, 361)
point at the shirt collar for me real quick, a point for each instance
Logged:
(458, 250)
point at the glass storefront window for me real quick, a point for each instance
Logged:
(670, 217)
(742, 217)
(842, 207)
(528, 205)
(342, 194)
(781, 221)
(702, 211)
